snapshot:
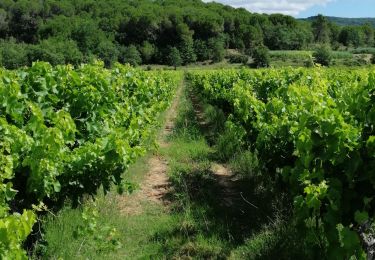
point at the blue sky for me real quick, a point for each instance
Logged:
(305, 8)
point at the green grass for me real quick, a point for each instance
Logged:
(135, 233)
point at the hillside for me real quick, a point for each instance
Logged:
(346, 21)
(171, 32)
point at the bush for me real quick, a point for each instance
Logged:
(373, 59)
(356, 61)
(13, 55)
(323, 55)
(56, 51)
(130, 55)
(238, 58)
(261, 57)
(108, 52)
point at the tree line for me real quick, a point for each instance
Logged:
(160, 31)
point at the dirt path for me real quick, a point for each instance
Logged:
(155, 184)
(221, 172)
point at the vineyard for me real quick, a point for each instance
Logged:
(67, 132)
(312, 130)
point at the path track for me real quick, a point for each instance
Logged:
(221, 172)
(156, 184)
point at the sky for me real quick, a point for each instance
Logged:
(306, 8)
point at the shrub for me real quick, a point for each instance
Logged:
(238, 58)
(13, 55)
(356, 61)
(373, 59)
(130, 55)
(261, 57)
(323, 55)
(108, 52)
(56, 51)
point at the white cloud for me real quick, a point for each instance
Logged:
(290, 7)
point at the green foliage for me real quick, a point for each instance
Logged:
(352, 36)
(312, 130)
(290, 55)
(130, 55)
(373, 59)
(147, 51)
(102, 237)
(283, 37)
(216, 45)
(230, 141)
(87, 35)
(13, 55)
(186, 45)
(238, 58)
(66, 132)
(14, 230)
(246, 163)
(100, 30)
(309, 62)
(261, 57)
(108, 52)
(364, 50)
(56, 51)
(252, 36)
(321, 29)
(201, 50)
(323, 55)
(174, 58)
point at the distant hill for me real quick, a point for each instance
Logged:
(346, 21)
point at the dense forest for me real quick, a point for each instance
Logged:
(154, 32)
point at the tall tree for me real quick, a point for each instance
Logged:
(174, 58)
(352, 36)
(369, 34)
(321, 29)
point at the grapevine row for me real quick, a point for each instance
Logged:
(65, 132)
(313, 129)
